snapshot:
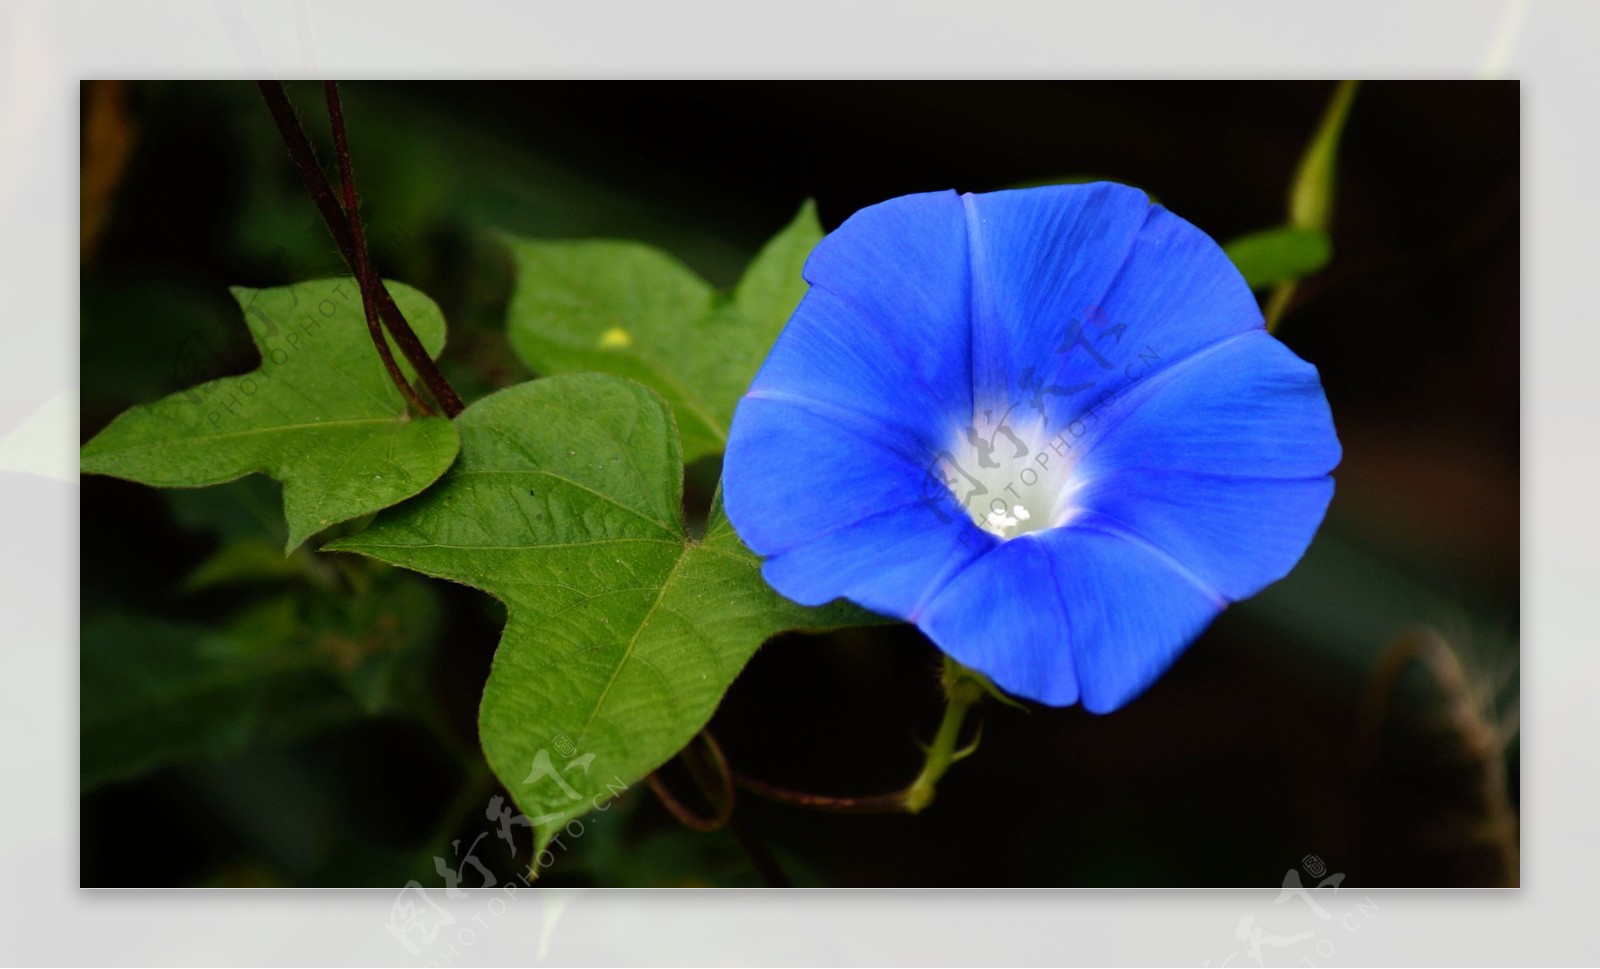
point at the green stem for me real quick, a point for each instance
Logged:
(1278, 304)
(1312, 191)
(961, 692)
(962, 689)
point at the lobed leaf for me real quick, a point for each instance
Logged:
(320, 414)
(622, 631)
(628, 309)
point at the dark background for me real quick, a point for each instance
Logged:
(1280, 733)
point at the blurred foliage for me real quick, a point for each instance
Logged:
(155, 692)
(1280, 255)
(1312, 192)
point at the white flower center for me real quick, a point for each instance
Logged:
(1011, 473)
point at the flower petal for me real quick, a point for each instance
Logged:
(894, 287)
(831, 460)
(834, 358)
(1244, 407)
(1196, 486)
(1176, 294)
(892, 562)
(1237, 535)
(1004, 616)
(842, 506)
(1070, 615)
(1041, 259)
(1192, 448)
(1177, 291)
(1131, 611)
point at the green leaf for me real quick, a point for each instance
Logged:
(622, 632)
(628, 309)
(320, 414)
(1312, 191)
(1279, 255)
(1311, 194)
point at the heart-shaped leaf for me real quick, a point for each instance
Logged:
(632, 310)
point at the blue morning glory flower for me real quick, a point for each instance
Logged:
(1046, 426)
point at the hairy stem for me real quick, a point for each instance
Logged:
(961, 692)
(710, 773)
(366, 278)
(304, 157)
(894, 803)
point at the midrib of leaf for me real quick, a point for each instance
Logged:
(277, 429)
(676, 533)
(503, 548)
(633, 641)
(630, 671)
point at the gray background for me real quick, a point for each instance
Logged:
(48, 47)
